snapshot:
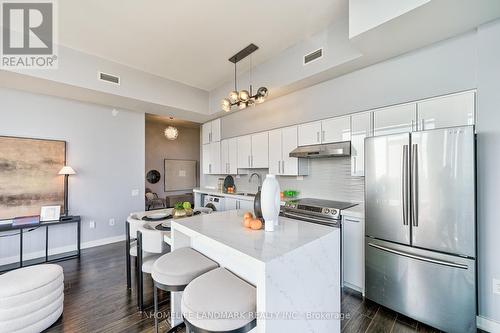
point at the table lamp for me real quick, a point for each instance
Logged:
(66, 171)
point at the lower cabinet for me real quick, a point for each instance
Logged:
(353, 253)
(232, 204)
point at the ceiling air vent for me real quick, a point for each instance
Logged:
(109, 78)
(313, 56)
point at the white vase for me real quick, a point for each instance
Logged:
(270, 202)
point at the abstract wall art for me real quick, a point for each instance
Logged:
(29, 175)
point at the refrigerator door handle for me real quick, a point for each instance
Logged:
(414, 184)
(404, 184)
(413, 256)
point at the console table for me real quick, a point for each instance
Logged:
(64, 220)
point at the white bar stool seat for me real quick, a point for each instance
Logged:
(231, 300)
(178, 268)
(174, 270)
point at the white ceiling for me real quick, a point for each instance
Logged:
(190, 40)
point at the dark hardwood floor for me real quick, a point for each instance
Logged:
(97, 300)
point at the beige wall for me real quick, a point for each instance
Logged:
(158, 148)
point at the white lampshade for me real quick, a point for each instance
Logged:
(67, 170)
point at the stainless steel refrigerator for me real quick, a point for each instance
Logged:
(420, 244)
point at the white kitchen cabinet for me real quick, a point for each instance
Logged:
(253, 151)
(310, 133)
(260, 150)
(361, 127)
(395, 119)
(275, 152)
(211, 131)
(232, 204)
(336, 129)
(229, 156)
(447, 111)
(205, 155)
(211, 155)
(281, 142)
(353, 253)
(244, 144)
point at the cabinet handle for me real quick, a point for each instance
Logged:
(283, 167)
(317, 136)
(350, 220)
(354, 168)
(422, 126)
(209, 168)
(279, 167)
(323, 136)
(248, 160)
(209, 137)
(252, 160)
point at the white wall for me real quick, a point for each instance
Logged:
(107, 153)
(466, 62)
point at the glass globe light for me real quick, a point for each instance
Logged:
(260, 99)
(262, 92)
(171, 133)
(226, 108)
(233, 96)
(242, 105)
(226, 104)
(244, 96)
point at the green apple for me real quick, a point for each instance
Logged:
(186, 205)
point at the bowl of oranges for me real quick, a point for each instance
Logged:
(251, 222)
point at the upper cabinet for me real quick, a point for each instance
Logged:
(361, 127)
(229, 156)
(310, 133)
(325, 131)
(281, 142)
(447, 111)
(211, 131)
(211, 155)
(394, 119)
(253, 151)
(336, 129)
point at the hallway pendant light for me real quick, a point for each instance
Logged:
(242, 99)
(171, 133)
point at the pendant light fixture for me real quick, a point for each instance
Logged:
(242, 99)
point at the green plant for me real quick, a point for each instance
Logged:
(179, 206)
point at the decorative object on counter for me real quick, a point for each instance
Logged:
(182, 210)
(66, 171)
(220, 184)
(270, 202)
(229, 182)
(249, 221)
(153, 176)
(290, 194)
(243, 98)
(231, 190)
(156, 216)
(171, 133)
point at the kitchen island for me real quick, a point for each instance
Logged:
(296, 268)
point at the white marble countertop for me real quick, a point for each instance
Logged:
(226, 228)
(222, 194)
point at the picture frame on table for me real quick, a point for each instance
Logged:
(50, 213)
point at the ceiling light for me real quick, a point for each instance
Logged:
(243, 98)
(171, 133)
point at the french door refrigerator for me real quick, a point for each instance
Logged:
(420, 244)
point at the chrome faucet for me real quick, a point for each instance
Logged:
(258, 177)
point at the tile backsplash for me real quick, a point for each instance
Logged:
(329, 178)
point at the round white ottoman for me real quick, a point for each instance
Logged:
(31, 298)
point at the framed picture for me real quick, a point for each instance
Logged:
(50, 213)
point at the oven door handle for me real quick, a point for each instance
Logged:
(330, 222)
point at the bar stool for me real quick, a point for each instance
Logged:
(173, 271)
(150, 247)
(131, 244)
(219, 292)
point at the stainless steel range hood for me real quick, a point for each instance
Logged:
(336, 149)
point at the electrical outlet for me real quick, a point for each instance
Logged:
(135, 192)
(496, 286)
(92, 224)
(111, 222)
